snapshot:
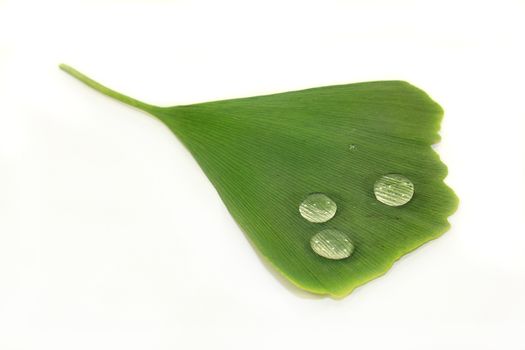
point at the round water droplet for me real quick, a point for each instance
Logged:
(393, 190)
(332, 244)
(317, 208)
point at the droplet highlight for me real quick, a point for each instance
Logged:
(394, 190)
(317, 208)
(332, 244)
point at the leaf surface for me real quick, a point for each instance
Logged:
(266, 154)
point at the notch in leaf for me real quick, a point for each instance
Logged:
(266, 155)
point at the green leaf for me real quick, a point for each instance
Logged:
(266, 154)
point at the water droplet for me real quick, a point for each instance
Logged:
(318, 207)
(394, 190)
(332, 244)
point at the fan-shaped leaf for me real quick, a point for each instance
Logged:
(266, 154)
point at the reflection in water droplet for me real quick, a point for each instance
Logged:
(332, 244)
(394, 190)
(317, 208)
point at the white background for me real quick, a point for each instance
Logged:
(112, 238)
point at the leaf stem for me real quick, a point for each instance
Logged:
(107, 91)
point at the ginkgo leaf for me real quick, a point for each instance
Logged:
(365, 148)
